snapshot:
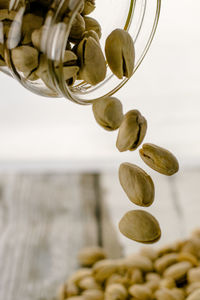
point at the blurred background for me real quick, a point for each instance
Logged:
(58, 168)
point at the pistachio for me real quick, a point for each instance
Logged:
(89, 283)
(152, 277)
(79, 275)
(78, 27)
(139, 262)
(153, 285)
(89, 256)
(104, 268)
(108, 113)
(36, 37)
(194, 275)
(178, 294)
(194, 295)
(93, 65)
(165, 261)
(137, 184)
(182, 256)
(149, 252)
(6, 14)
(140, 291)
(164, 294)
(29, 24)
(178, 270)
(120, 53)
(168, 283)
(140, 226)
(89, 6)
(132, 131)
(136, 275)
(93, 295)
(159, 159)
(192, 287)
(115, 291)
(92, 24)
(25, 58)
(116, 278)
(91, 33)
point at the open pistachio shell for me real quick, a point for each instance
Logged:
(132, 131)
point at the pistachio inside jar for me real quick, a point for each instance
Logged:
(56, 48)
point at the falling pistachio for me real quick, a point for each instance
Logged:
(137, 184)
(140, 226)
(159, 159)
(132, 131)
(108, 112)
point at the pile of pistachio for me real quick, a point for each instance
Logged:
(170, 273)
(137, 225)
(83, 58)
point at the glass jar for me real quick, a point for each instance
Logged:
(19, 18)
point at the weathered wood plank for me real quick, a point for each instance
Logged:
(44, 222)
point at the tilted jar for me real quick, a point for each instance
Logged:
(138, 17)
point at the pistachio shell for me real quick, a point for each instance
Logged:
(194, 295)
(178, 270)
(108, 113)
(88, 283)
(168, 283)
(90, 255)
(164, 294)
(29, 24)
(116, 291)
(165, 261)
(91, 33)
(159, 159)
(79, 275)
(92, 24)
(140, 226)
(89, 6)
(132, 131)
(140, 291)
(78, 27)
(137, 261)
(194, 275)
(25, 58)
(192, 287)
(93, 295)
(120, 53)
(93, 65)
(104, 268)
(137, 184)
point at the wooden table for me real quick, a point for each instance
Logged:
(46, 218)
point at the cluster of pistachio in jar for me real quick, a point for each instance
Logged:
(137, 225)
(83, 58)
(169, 273)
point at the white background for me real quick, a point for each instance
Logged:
(166, 89)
